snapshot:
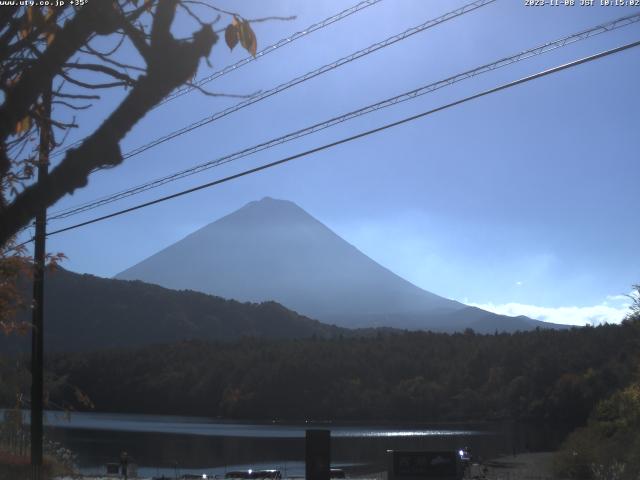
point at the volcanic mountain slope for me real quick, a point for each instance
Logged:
(274, 250)
(84, 312)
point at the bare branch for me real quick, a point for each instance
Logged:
(212, 7)
(76, 96)
(235, 14)
(94, 17)
(89, 50)
(61, 142)
(135, 14)
(215, 94)
(94, 67)
(55, 123)
(268, 19)
(172, 64)
(191, 14)
(11, 32)
(73, 107)
(137, 38)
(92, 85)
(110, 52)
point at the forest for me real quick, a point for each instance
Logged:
(414, 376)
(583, 380)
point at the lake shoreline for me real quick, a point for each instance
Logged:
(161, 445)
(537, 465)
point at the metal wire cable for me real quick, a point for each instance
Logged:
(312, 74)
(248, 59)
(308, 76)
(538, 50)
(271, 48)
(504, 86)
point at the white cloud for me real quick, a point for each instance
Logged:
(593, 315)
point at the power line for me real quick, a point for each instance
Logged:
(312, 74)
(538, 50)
(355, 137)
(344, 60)
(265, 51)
(309, 75)
(248, 59)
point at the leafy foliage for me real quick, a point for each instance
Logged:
(12, 268)
(15, 266)
(609, 446)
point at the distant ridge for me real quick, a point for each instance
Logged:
(84, 313)
(274, 250)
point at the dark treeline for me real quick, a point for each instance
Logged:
(416, 376)
(85, 313)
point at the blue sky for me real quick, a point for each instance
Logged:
(521, 202)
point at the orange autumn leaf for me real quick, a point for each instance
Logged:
(23, 125)
(248, 38)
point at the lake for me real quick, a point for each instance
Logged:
(166, 445)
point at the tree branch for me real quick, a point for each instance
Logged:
(172, 64)
(89, 50)
(92, 85)
(94, 67)
(95, 17)
(76, 96)
(215, 94)
(71, 106)
(137, 38)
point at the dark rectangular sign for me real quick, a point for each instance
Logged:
(318, 454)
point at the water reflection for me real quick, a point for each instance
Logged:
(211, 427)
(164, 445)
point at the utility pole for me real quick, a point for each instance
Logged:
(37, 331)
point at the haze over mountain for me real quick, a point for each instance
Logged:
(274, 250)
(84, 312)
